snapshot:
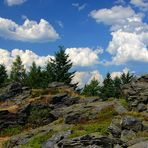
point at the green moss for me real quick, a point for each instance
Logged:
(38, 140)
(5, 144)
(107, 113)
(99, 125)
(89, 128)
(38, 115)
(77, 133)
(142, 134)
(123, 102)
(39, 92)
(138, 115)
(11, 131)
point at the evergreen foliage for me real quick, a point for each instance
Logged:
(3, 74)
(117, 87)
(34, 77)
(91, 89)
(107, 90)
(18, 72)
(58, 69)
(126, 78)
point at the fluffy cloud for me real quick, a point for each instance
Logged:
(143, 4)
(85, 77)
(27, 57)
(119, 73)
(129, 34)
(29, 31)
(112, 16)
(83, 56)
(14, 2)
(127, 47)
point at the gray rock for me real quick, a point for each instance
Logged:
(127, 135)
(114, 130)
(136, 94)
(129, 122)
(51, 143)
(141, 107)
(140, 145)
(73, 118)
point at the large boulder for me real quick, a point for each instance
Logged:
(136, 93)
(61, 100)
(8, 119)
(131, 123)
(14, 91)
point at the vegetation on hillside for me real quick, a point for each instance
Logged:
(58, 69)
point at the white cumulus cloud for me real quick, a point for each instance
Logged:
(84, 56)
(14, 2)
(85, 77)
(29, 31)
(27, 57)
(129, 34)
(143, 4)
(119, 73)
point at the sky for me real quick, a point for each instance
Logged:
(100, 36)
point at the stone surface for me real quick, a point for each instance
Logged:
(140, 145)
(13, 91)
(127, 135)
(136, 94)
(129, 122)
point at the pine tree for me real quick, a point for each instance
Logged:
(92, 89)
(117, 87)
(126, 78)
(58, 69)
(34, 76)
(107, 90)
(18, 73)
(3, 74)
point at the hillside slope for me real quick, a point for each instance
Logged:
(57, 117)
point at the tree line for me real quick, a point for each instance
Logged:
(55, 70)
(59, 70)
(111, 88)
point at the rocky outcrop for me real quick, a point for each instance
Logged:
(32, 114)
(14, 91)
(136, 94)
(125, 127)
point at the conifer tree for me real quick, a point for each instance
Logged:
(117, 87)
(126, 78)
(92, 89)
(107, 89)
(34, 76)
(18, 73)
(3, 74)
(58, 69)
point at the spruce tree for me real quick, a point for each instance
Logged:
(18, 73)
(126, 78)
(107, 89)
(92, 89)
(3, 74)
(34, 76)
(117, 87)
(58, 69)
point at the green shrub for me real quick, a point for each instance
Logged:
(38, 140)
(11, 131)
(37, 115)
(123, 102)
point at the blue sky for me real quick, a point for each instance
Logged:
(100, 36)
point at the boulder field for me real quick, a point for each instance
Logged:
(58, 117)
